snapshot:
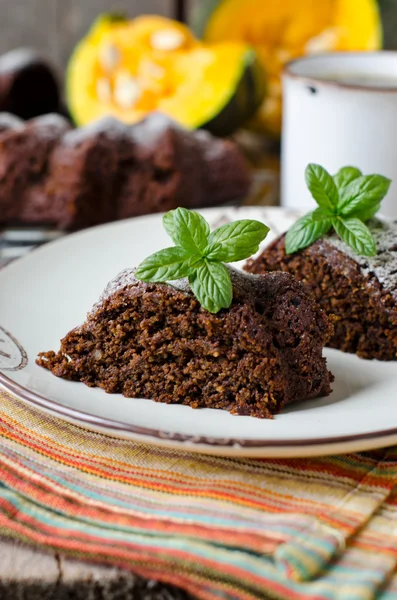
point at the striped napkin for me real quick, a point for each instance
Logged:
(238, 529)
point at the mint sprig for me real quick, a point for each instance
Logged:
(187, 229)
(346, 201)
(322, 187)
(356, 235)
(199, 255)
(211, 284)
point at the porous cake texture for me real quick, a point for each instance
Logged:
(359, 293)
(155, 341)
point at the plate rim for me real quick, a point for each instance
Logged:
(214, 443)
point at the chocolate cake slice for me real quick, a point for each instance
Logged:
(155, 341)
(358, 292)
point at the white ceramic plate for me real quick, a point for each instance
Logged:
(50, 291)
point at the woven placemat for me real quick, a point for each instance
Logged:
(215, 527)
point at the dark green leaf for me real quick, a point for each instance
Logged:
(322, 187)
(194, 259)
(210, 250)
(212, 286)
(187, 228)
(305, 231)
(319, 215)
(346, 175)
(236, 241)
(165, 265)
(169, 223)
(366, 214)
(356, 235)
(363, 193)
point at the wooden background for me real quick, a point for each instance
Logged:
(54, 26)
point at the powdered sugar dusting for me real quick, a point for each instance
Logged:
(109, 126)
(17, 59)
(124, 279)
(50, 125)
(10, 122)
(51, 120)
(244, 284)
(149, 131)
(384, 264)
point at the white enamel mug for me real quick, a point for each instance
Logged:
(339, 109)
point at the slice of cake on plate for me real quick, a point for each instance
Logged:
(218, 338)
(350, 268)
(359, 291)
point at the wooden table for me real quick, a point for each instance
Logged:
(30, 574)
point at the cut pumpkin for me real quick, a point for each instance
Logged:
(282, 31)
(128, 69)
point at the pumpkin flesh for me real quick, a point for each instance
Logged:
(129, 68)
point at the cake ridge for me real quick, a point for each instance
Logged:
(384, 264)
(244, 283)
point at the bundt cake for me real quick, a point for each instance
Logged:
(55, 175)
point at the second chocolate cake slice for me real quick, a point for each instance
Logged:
(358, 292)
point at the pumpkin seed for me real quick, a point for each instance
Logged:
(167, 39)
(104, 90)
(126, 90)
(109, 56)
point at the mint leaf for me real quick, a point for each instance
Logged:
(210, 250)
(320, 214)
(194, 260)
(363, 193)
(169, 223)
(236, 241)
(365, 214)
(346, 175)
(212, 286)
(187, 228)
(168, 264)
(322, 187)
(345, 203)
(307, 230)
(199, 255)
(356, 235)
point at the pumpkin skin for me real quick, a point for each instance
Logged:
(283, 31)
(128, 69)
